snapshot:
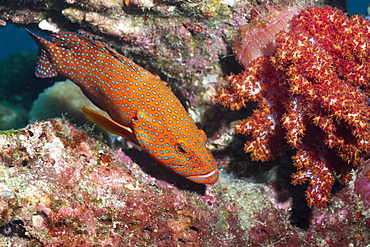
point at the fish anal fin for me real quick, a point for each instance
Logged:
(109, 124)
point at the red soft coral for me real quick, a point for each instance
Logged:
(312, 94)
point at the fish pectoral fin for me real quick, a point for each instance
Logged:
(141, 129)
(109, 124)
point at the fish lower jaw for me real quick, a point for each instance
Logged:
(209, 178)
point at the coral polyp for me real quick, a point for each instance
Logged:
(312, 95)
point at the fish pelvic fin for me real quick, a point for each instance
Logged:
(44, 66)
(109, 124)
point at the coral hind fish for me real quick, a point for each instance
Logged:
(141, 106)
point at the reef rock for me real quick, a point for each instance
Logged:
(60, 187)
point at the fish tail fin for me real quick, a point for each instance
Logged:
(44, 67)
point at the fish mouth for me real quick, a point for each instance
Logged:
(208, 178)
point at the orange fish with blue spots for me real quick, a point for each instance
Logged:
(141, 106)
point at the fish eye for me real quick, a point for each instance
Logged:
(180, 149)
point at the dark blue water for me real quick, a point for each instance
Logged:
(13, 40)
(357, 6)
(19, 86)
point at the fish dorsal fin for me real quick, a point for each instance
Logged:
(109, 124)
(69, 40)
(109, 50)
(104, 48)
(72, 40)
